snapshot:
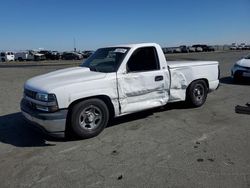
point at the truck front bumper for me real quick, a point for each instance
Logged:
(53, 124)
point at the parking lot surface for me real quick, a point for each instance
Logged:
(173, 146)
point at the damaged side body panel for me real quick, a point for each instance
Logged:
(183, 73)
(138, 91)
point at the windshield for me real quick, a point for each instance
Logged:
(106, 59)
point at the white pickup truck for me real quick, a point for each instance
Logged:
(114, 81)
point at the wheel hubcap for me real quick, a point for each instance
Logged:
(199, 92)
(90, 117)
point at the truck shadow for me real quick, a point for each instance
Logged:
(147, 113)
(230, 81)
(15, 131)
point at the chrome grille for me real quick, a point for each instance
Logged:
(30, 93)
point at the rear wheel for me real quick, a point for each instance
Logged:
(197, 93)
(89, 118)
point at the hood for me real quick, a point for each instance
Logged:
(62, 78)
(244, 62)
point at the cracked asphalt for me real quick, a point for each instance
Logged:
(172, 146)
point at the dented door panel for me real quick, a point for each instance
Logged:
(142, 90)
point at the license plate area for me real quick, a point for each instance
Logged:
(246, 74)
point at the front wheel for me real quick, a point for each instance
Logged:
(89, 118)
(197, 93)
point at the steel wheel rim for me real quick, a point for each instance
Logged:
(199, 92)
(90, 117)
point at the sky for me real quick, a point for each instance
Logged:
(56, 24)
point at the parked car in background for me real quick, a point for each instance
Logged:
(210, 49)
(203, 48)
(24, 56)
(87, 53)
(191, 49)
(241, 69)
(198, 48)
(184, 49)
(56, 55)
(71, 56)
(177, 50)
(233, 46)
(241, 46)
(80, 54)
(7, 56)
(168, 50)
(50, 55)
(38, 56)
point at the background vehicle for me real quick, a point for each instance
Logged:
(184, 49)
(168, 50)
(247, 47)
(71, 56)
(198, 48)
(24, 56)
(241, 46)
(114, 81)
(241, 69)
(56, 55)
(87, 53)
(203, 48)
(49, 55)
(7, 56)
(210, 49)
(37, 55)
(191, 49)
(177, 50)
(233, 46)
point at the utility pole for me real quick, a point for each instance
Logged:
(74, 44)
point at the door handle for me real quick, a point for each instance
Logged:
(158, 78)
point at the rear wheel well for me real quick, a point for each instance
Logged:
(202, 79)
(196, 92)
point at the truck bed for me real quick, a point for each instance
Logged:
(177, 64)
(184, 72)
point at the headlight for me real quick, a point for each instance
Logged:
(48, 102)
(42, 97)
(45, 97)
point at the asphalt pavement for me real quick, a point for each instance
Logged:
(172, 146)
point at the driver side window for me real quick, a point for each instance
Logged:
(143, 59)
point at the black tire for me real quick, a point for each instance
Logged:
(89, 118)
(3, 60)
(20, 59)
(197, 93)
